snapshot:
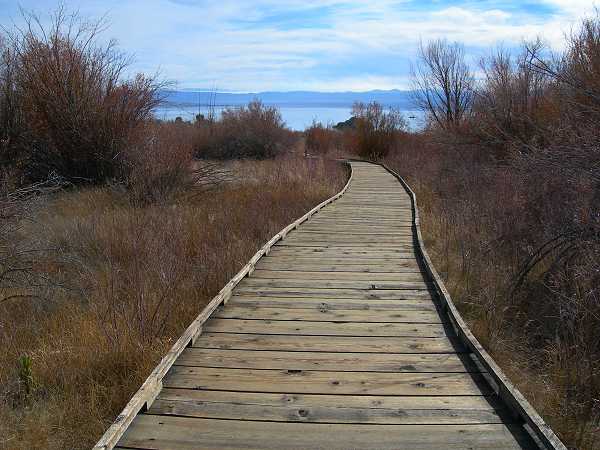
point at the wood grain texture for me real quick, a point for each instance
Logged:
(327, 361)
(324, 328)
(365, 409)
(332, 304)
(240, 311)
(359, 344)
(184, 433)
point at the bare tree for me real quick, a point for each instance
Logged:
(443, 83)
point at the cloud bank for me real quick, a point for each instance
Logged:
(324, 45)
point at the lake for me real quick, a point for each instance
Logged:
(296, 117)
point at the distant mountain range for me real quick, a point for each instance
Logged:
(393, 98)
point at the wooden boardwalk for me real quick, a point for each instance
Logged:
(335, 341)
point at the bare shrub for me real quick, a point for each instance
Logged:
(443, 83)
(255, 131)
(78, 110)
(21, 257)
(513, 107)
(375, 129)
(320, 139)
(159, 162)
(575, 72)
(12, 127)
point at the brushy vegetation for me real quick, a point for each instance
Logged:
(320, 139)
(510, 196)
(375, 131)
(372, 133)
(64, 105)
(256, 131)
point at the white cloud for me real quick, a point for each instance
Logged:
(363, 45)
(574, 8)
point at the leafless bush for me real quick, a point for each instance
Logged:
(11, 114)
(320, 139)
(513, 106)
(21, 258)
(375, 129)
(255, 131)
(160, 164)
(78, 110)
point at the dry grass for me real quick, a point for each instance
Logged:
(124, 281)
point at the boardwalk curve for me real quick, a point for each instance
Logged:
(338, 334)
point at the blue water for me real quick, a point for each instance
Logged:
(295, 117)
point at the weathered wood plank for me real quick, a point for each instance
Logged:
(372, 277)
(333, 221)
(328, 244)
(324, 252)
(423, 403)
(154, 432)
(317, 257)
(306, 328)
(307, 292)
(356, 229)
(333, 283)
(325, 408)
(351, 237)
(342, 266)
(240, 311)
(347, 253)
(331, 304)
(332, 361)
(330, 344)
(326, 382)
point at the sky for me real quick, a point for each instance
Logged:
(321, 45)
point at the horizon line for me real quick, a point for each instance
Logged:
(244, 92)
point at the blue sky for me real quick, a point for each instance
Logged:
(325, 45)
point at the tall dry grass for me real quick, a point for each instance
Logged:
(125, 278)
